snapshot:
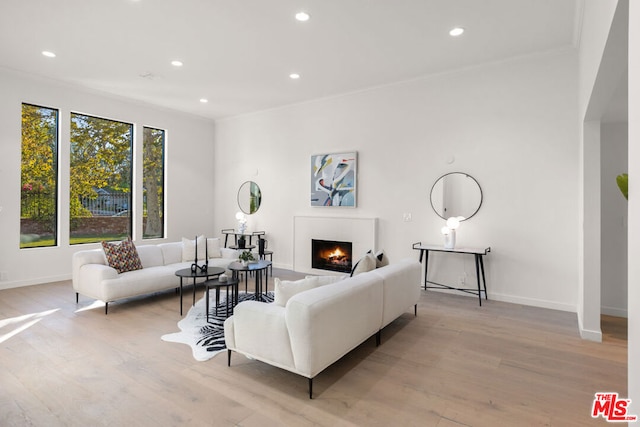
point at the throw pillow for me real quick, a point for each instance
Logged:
(381, 259)
(189, 249)
(285, 289)
(366, 263)
(213, 248)
(122, 256)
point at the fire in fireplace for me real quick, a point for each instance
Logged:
(331, 255)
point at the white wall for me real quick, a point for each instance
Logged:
(592, 98)
(511, 125)
(189, 171)
(595, 26)
(634, 210)
(614, 153)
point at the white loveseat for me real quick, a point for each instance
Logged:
(92, 276)
(318, 326)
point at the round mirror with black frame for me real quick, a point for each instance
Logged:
(456, 194)
(249, 197)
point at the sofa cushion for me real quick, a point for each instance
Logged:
(122, 255)
(366, 263)
(326, 280)
(150, 255)
(189, 249)
(285, 289)
(171, 252)
(213, 247)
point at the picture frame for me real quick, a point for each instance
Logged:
(334, 179)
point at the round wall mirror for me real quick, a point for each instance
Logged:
(249, 197)
(456, 194)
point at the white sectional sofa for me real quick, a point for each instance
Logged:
(92, 276)
(318, 326)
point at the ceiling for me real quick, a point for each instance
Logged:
(238, 54)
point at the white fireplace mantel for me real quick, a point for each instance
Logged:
(361, 232)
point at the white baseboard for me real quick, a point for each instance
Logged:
(614, 311)
(36, 281)
(552, 305)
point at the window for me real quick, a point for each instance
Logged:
(153, 183)
(100, 182)
(39, 177)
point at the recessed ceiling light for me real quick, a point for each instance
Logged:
(302, 16)
(204, 100)
(48, 54)
(294, 76)
(176, 63)
(455, 32)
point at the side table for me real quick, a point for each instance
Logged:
(187, 273)
(217, 284)
(258, 267)
(264, 256)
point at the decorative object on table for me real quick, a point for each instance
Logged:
(245, 257)
(206, 339)
(242, 222)
(623, 184)
(195, 267)
(456, 194)
(242, 242)
(249, 197)
(262, 245)
(333, 179)
(449, 232)
(223, 278)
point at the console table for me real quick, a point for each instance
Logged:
(236, 234)
(478, 254)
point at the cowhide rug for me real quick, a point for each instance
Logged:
(206, 339)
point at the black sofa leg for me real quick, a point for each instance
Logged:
(378, 338)
(310, 388)
(106, 308)
(77, 297)
(228, 357)
(415, 310)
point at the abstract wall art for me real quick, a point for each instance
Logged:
(333, 179)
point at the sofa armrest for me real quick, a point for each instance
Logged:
(259, 330)
(90, 277)
(401, 288)
(327, 322)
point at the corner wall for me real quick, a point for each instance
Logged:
(614, 218)
(634, 210)
(511, 125)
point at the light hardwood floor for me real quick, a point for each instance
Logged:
(455, 364)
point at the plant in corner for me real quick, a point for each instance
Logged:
(245, 257)
(623, 184)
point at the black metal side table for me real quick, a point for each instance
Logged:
(217, 284)
(188, 273)
(257, 267)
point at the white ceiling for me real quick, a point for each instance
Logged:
(239, 53)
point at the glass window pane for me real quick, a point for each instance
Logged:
(39, 177)
(100, 182)
(153, 183)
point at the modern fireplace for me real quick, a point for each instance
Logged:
(331, 255)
